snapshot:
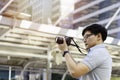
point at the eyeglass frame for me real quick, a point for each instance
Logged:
(87, 36)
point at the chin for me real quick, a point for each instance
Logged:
(87, 47)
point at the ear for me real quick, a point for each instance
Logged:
(99, 36)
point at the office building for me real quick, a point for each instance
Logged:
(101, 11)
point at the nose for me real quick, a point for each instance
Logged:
(84, 40)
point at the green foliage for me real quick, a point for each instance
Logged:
(59, 77)
(115, 78)
(68, 77)
(56, 76)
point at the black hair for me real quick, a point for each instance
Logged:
(96, 29)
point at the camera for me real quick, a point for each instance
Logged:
(59, 40)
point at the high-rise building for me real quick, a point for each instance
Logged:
(7, 7)
(81, 11)
(41, 10)
(96, 11)
(12, 6)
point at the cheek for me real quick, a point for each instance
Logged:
(92, 41)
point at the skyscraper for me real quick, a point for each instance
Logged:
(41, 10)
(96, 11)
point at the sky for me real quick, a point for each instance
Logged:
(67, 6)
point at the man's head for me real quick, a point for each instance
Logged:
(94, 34)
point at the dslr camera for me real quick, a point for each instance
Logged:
(59, 40)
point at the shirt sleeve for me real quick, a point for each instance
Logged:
(94, 58)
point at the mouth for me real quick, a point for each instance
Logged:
(86, 44)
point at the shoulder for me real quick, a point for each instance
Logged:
(96, 57)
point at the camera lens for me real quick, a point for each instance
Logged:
(59, 40)
(68, 40)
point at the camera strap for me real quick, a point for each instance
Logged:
(76, 45)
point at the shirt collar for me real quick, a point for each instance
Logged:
(97, 46)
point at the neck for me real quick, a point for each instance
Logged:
(99, 42)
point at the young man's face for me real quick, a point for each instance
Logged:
(90, 39)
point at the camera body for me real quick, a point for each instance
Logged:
(59, 40)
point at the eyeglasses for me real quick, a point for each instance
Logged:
(87, 36)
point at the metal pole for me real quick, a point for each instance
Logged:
(44, 74)
(6, 6)
(116, 13)
(64, 75)
(49, 64)
(25, 67)
(9, 72)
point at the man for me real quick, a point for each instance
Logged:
(97, 65)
